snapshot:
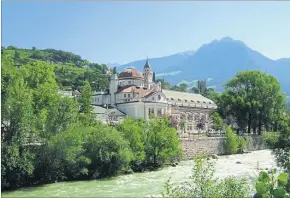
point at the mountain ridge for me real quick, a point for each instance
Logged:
(218, 60)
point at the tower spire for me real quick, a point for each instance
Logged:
(147, 63)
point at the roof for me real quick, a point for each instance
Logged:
(101, 110)
(131, 73)
(139, 92)
(188, 99)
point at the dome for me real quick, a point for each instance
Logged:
(130, 73)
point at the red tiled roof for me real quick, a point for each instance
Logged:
(139, 92)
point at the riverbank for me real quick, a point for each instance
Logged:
(150, 183)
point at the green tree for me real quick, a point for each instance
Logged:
(17, 121)
(164, 84)
(133, 130)
(62, 157)
(217, 121)
(250, 97)
(154, 79)
(183, 87)
(162, 142)
(16, 56)
(279, 144)
(231, 145)
(85, 100)
(195, 90)
(108, 151)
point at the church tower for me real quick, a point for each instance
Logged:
(148, 75)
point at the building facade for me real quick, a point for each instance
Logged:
(135, 94)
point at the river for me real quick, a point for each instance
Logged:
(149, 183)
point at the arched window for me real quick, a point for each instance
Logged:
(159, 97)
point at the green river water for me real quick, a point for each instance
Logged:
(149, 183)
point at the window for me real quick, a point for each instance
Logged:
(124, 95)
(128, 95)
(98, 99)
(152, 98)
(159, 97)
(129, 82)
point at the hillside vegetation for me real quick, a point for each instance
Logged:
(71, 71)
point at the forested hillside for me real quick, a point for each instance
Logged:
(71, 71)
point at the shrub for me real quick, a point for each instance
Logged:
(203, 184)
(231, 142)
(241, 144)
(108, 151)
(268, 185)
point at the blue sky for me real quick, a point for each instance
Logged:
(121, 32)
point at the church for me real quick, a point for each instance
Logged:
(135, 94)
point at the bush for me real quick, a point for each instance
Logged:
(108, 151)
(231, 142)
(268, 185)
(241, 144)
(204, 185)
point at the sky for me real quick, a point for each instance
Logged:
(121, 32)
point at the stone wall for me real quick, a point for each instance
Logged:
(215, 145)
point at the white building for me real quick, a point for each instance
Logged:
(137, 95)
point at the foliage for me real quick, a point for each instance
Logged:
(164, 84)
(162, 142)
(108, 151)
(217, 121)
(268, 185)
(241, 144)
(134, 131)
(203, 183)
(182, 87)
(254, 100)
(231, 144)
(70, 70)
(85, 99)
(61, 158)
(280, 145)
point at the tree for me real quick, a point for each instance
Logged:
(154, 80)
(18, 121)
(251, 97)
(217, 121)
(108, 151)
(279, 144)
(164, 84)
(16, 56)
(85, 100)
(162, 142)
(231, 143)
(133, 130)
(195, 90)
(183, 87)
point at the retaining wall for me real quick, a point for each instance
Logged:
(215, 145)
